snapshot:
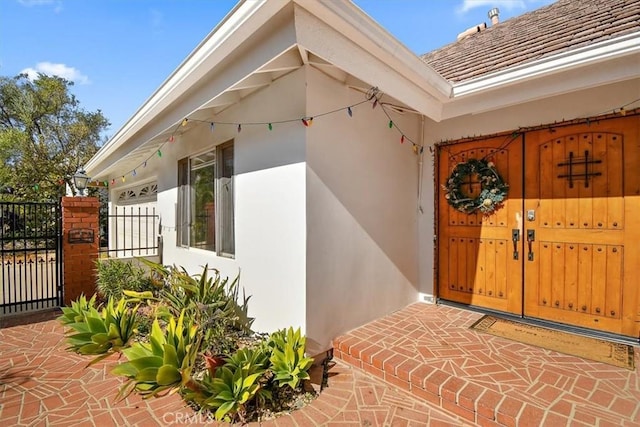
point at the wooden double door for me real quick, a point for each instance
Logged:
(565, 245)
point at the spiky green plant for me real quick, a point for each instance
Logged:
(248, 359)
(229, 389)
(288, 361)
(162, 364)
(100, 333)
(78, 308)
(210, 300)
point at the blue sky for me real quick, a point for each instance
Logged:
(118, 52)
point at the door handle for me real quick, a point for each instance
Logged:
(531, 237)
(515, 236)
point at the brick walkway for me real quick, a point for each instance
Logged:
(429, 351)
(41, 384)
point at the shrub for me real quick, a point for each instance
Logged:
(115, 275)
(200, 341)
(210, 300)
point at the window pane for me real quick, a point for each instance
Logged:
(227, 239)
(202, 207)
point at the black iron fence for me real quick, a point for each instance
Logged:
(30, 256)
(130, 231)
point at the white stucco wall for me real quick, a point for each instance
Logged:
(362, 259)
(269, 202)
(587, 103)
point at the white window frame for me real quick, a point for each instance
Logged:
(185, 194)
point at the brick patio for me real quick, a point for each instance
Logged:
(41, 384)
(430, 352)
(419, 366)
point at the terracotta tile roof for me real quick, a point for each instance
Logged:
(559, 27)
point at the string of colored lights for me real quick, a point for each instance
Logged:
(373, 97)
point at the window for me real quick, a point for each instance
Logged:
(205, 201)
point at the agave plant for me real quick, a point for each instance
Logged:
(248, 359)
(76, 312)
(288, 361)
(102, 333)
(229, 389)
(208, 298)
(162, 364)
(238, 312)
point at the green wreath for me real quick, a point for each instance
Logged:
(494, 189)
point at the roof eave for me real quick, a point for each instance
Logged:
(182, 78)
(422, 88)
(351, 21)
(571, 71)
(620, 46)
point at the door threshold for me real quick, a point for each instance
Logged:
(591, 333)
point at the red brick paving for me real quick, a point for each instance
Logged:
(488, 380)
(437, 371)
(41, 384)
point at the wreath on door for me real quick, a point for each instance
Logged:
(493, 188)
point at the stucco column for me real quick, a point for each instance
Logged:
(79, 245)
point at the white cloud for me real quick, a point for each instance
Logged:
(467, 5)
(36, 2)
(32, 3)
(60, 70)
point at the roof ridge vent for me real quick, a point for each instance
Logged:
(472, 30)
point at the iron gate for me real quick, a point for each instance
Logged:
(31, 255)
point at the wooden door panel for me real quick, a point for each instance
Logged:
(615, 196)
(475, 252)
(585, 278)
(585, 193)
(570, 296)
(558, 195)
(583, 184)
(570, 195)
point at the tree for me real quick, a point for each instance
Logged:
(44, 136)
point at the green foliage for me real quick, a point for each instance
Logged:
(200, 294)
(99, 333)
(162, 364)
(192, 316)
(288, 361)
(76, 312)
(250, 359)
(210, 300)
(229, 389)
(45, 136)
(493, 193)
(114, 276)
(232, 390)
(238, 312)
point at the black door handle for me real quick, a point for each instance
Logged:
(515, 236)
(531, 237)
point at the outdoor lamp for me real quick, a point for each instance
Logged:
(80, 180)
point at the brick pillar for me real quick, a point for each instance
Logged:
(80, 240)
